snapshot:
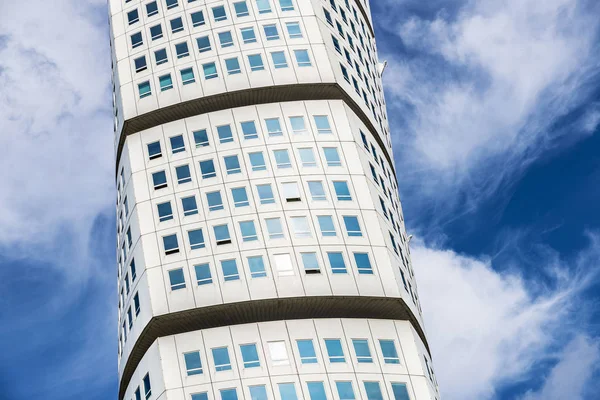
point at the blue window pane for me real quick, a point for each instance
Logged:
(198, 19)
(257, 160)
(264, 6)
(193, 364)
(342, 191)
(182, 50)
(256, 62)
(279, 59)
(165, 212)
(257, 267)
(345, 390)
(316, 390)
(332, 156)
(230, 270)
(307, 351)
(294, 30)
(156, 32)
(298, 125)
(187, 75)
(282, 158)
(258, 392)
(183, 174)
(144, 89)
(248, 35)
(265, 194)
(221, 359)
(203, 275)
(317, 191)
(171, 3)
(152, 9)
(225, 39)
(161, 56)
(322, 123)
(228, 394)
(159, 179)
(336, 260)
(249, 130)
(363, 264)
(326, 225)
(208, 169)
(287, 391)
(140, 64)
(388, 349)
(361, 348)
(248, 231)
(219, 13)
(286, 5)
(352, 226)
(189, 206)
(210, 71)
(274, 228)
(171, 245)
(232, 164)
(196, 239)
(310, 262)
(201, 138)
(200, 396)
(334, 350)
(400, 391)
(222, 234)
(225, 134)
(271, 32)
(233, 66)
(249, 355)
(136, 40)
(203, 44)
(177, 279)
(147, 387)
(241, 9)
(373, 391)
(166, 82)
(240, 197)
(274, 127)
(215, 201)
(176, 25)
(302, 58)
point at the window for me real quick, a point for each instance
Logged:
(363, 263)
(170, 244)
(332, 156)
(264, 7)
(291, 192)
(133, 17)
(161, 56)
(201, 138)
(279, 59)
(287, 391)
(300, 227)
(138, 396)
(207, 169)
(159, 179)
(316, 391)
(257, 267)
(177, 279)
(196, 239)
(210, 70)
(156, 32)
(326, 225)
(219, 13)
(249, 130)
(189, 206)
(249, 355)
(373, 391)
(283, 264)
(311, 263)
(203, 44)
(241, 9)
(286, 5)
(166, 82)
(317, 191)
(256, 62)
(151, 9)
(388, 349)
(232, 165)
(257, 160)
(193, 364)
(200, 396)
(222, 234)
(165, 212)
(271, 32)
(248, 231)
(225, 134)
(187, 75)
(345, 390)
(307, 157)
(282, 159)
(233, 66)
(130, 318)
(136, 302)
(203, 275)
(228, 394)
(258, 392)
(176, 25)
(240, 197)
(306, 349)
(352, 226)
(273, 127)
(154, 150)
(334, 350)
(144, 89)
(274, 228)
(147, 387)
(278, 353)
(302, 58)
(198, 19)
(248, 35)
(225, 39)
(177, 144)
(171, 4)
(298, 125)
(140, 64)
(265, 194)
(221, 359)
(183, 174)
(400, 391)
(294, 30)
(136, 40)
(322, 123)
(132, 268)
(336, 261)
(361, 348)
(230, 271)
(342, 191)
(182, 51)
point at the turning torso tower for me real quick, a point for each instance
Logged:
(262, 252)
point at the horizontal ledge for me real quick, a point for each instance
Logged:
(254, 311)
(244, 98)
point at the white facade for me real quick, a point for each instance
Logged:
(257, 204)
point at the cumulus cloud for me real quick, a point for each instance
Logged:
(488, 329)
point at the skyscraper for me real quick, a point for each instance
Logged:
(262, 252)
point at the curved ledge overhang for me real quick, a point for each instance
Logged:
(243, 98)
(263, 311)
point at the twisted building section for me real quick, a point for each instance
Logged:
(261, 246)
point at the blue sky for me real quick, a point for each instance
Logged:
(495, 110)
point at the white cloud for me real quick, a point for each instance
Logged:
(487, 329)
